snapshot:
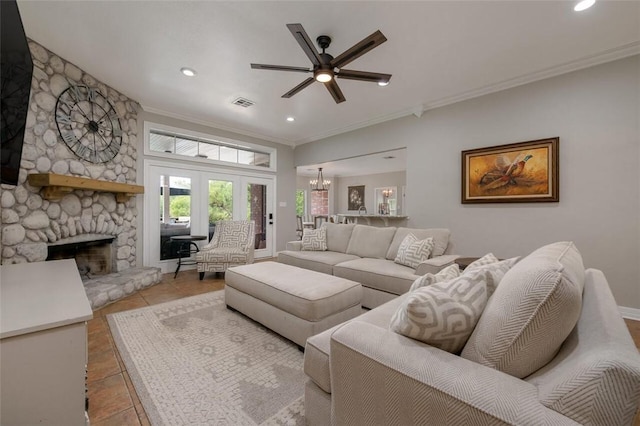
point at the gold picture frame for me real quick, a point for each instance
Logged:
(522, 172)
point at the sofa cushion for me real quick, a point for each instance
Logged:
(440, 238)
(412, 251)
(444, 314)
(316, 353)
(338, 236)
(314, 239)
(378, 274)
(446, 274)
(320, 261)
(369, 241)
(531, 313)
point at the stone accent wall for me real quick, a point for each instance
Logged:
(29, 222)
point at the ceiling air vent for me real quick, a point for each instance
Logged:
(243, 102)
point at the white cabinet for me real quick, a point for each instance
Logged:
(43, 344)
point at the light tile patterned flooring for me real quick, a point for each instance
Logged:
(112, 398)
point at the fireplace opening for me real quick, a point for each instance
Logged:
(93, 257)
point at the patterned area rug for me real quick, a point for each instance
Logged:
(193, 361)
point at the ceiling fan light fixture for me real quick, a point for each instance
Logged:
(323, 75)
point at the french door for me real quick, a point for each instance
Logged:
(180, 201)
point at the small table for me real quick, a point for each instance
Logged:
(184, 249)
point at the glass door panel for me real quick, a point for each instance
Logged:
(257, 211)
(175, 212)
(220, 202)
(259, 201)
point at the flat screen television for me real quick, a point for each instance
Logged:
(16, 71)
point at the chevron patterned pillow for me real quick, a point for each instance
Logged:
(532, 312)
(446, 274)
(413, 251)
(487, 259)
(314, 239)
(444, 314)
(496, 270)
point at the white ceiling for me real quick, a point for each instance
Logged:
(438, 52)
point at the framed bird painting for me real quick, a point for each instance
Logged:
(521, 172)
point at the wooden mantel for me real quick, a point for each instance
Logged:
(57, 186)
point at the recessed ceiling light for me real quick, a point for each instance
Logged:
(583, 5)
(291, 119)
(383, 83)
(188, 72)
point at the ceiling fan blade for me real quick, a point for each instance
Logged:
(279, 68)
(359, 49)
(335, 91)
(374, 77)
(299, 87)
(305, 42)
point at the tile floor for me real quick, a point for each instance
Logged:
(112, 398)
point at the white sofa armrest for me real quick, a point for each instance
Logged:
(435, 264)
(380, 377)
(294, 245)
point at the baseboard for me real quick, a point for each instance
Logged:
(629, 313)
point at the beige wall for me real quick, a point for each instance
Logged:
(596, 114)
(338, 201)
(370, 182)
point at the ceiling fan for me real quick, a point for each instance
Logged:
(325, 67)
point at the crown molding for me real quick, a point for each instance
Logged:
(609, 55)
(565, 68)
(215, 125)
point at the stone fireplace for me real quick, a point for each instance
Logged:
(32, 223)
(93, 254)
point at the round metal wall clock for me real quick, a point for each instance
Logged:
(88, 124)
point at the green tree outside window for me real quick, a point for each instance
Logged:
(300, 196)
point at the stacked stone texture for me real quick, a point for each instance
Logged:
(109, 288)
(29, 222)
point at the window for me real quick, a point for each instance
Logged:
(165, 141)
(319, 203)
(301, 199)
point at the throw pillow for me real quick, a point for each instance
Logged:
(487, 259)
(314, 239)
(495, 271)
(444, 314)
(446, 274)
(531, 313)
(412, 251)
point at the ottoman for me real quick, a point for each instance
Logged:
(294, 302)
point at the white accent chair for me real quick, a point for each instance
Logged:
(232, 244)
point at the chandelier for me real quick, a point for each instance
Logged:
(320, 183)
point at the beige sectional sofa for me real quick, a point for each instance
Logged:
(362, 373)
(366, 254)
